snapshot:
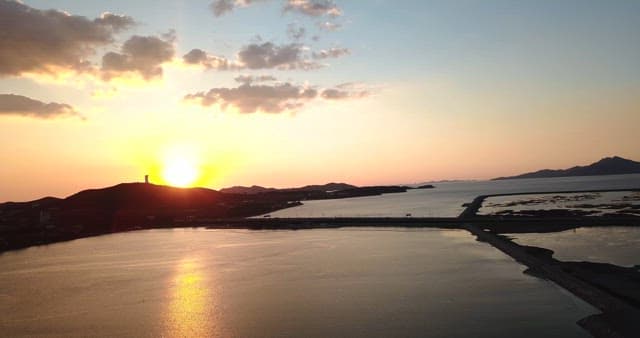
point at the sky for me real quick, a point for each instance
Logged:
(294, 92)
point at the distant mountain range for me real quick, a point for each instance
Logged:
(256, 189)
(607, 166)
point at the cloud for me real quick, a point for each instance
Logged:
(295, 33)
(268, 55)
(200, 57)
(337, 94)
(248, 98)
(344, 91)
(45, 41)
(115, 21)
(331, 53)
(11, 104)
(222, 7)
(253, 79)
(259, 55)
(329, 26)
(272, 98)
(313, 7)
(140, 55)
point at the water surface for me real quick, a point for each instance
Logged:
(446, 199)
(614, 245)
(311, 283)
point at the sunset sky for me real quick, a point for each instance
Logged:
(287, 93)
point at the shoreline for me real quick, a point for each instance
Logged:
(620, 315)
(472, 208)
(19, 238)
(495, 224)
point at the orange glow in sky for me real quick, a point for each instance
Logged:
(443, 90)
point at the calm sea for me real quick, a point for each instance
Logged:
(312, 283)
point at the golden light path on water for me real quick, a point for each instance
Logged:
(192, 310)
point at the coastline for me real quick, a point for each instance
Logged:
(18, 238)
(621, 313)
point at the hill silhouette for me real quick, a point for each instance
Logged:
(129, 206)
(141, 195)
(256, 189)
(607, 166)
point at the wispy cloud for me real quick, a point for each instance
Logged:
(254, 78)
(329, 25)
(313, 7)
(349, 90)
(331, 53)
(295, 32)
(222, 7)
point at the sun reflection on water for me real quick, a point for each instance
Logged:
(191, 311)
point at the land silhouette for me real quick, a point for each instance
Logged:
(256, 189)
(607, 166)
(129, 206)
(132, 206)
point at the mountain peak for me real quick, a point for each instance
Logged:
(613, 159)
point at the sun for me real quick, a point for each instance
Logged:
(180, 171)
